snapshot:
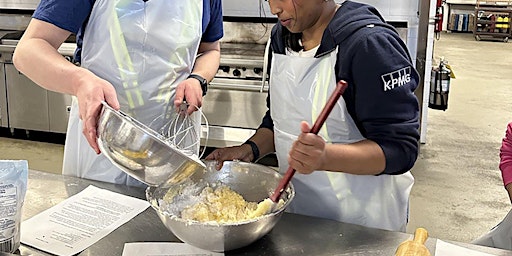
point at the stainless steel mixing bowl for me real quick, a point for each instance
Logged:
(253, 181)
(142, 152)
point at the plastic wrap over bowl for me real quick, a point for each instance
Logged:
(141, 152)
(253, 181)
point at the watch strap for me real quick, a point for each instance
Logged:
(202, 81)
(254, 148)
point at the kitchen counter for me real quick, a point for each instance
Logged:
(293, 235)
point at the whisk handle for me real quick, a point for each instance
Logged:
(338, 91)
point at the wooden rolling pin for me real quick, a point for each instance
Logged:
(414, 247)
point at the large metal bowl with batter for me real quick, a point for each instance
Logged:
(141, 152)
(252, 181)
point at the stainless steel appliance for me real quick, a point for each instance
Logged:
(19, 4)
(23, 113)
(251, 8)
(23, 104)
(4, 121)
(236, 98)
(59, 107)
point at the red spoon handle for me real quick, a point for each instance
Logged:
(338, 91)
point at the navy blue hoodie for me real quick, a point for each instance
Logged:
(381, 79)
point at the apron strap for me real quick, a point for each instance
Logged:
(123, 59)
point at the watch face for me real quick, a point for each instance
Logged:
(203, 81)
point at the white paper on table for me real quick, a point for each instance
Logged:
(79, 221)
(446, 249)
(165, 249)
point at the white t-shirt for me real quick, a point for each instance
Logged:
(305, 54)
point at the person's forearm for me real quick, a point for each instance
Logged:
(508, 187)
(363, 157)
(46, 66)
(264, 139)
(207, 63)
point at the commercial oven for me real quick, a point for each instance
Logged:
(236, 100)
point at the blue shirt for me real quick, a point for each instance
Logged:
(72, 15)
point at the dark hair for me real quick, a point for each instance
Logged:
(292, 40)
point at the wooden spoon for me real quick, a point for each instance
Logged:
(269, 204)
(414, 247)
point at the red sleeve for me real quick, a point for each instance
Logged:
(506, 156)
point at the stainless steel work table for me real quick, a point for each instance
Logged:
(293, 235)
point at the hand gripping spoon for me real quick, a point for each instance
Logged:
(266, 206)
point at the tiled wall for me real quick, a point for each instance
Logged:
(401, 10)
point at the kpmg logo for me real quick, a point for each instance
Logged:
(396, 78)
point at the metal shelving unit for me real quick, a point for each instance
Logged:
(493, 20)
(460, 16)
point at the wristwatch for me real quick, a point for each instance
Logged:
(202, 81)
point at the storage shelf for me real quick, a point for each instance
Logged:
(493, 20)
(461, 20)
(494, 34)
(497, 10)
(494, 2)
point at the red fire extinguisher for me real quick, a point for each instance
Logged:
(440, 86)
(438, 19)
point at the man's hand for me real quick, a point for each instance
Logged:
(189, 90)
(91, 90)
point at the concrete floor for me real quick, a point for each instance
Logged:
(458, 194)
(44, 155)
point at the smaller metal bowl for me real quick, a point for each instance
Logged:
(252, 181)
(141, 152)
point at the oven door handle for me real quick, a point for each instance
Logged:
(238, 85)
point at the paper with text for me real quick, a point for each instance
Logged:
(79, 221)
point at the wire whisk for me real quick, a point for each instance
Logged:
(181, 130)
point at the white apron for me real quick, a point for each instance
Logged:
(144, 49)
(499, 236)
(299, 89)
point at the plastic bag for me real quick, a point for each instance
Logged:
(13, 187)
(498, 237)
